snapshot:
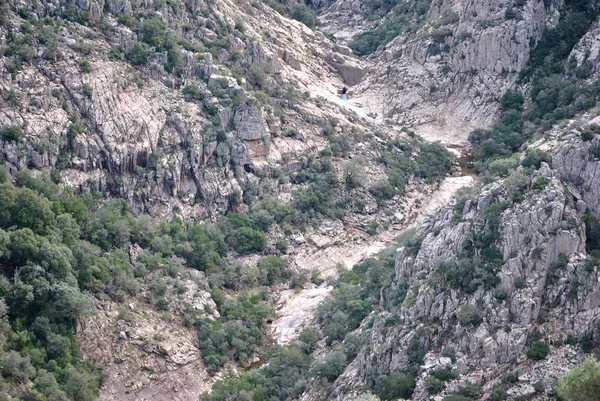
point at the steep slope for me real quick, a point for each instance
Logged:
(173, 128)
(441, 67)
(131, 126)
(496, 295)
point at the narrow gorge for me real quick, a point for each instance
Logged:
(248, 200)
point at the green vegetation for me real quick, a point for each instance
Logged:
(538, 351)
(11, 133)
(356, 293)
(85, 66)
(403, 17)
(434, 384)
(582, 383)
(59, 249)
(558, 90)
(240, 333)
(469, 315)
(284, 376)
(395, 385)
(42, 296)
(303, 14)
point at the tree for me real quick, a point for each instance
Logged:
(309, 339)
(354, 174)
(23, 246)
(70, 303)
(17, 367)
(395, 385)
(79, 385)
(4, 244)
(55, 259)
(8, 196)
(137, 55)
(332, 366)
(538, 351)
(46, 383)
(305, 15)
(247, 240)
(68, 227)
(272, 269)
(153, 32)
(32, 211)
(582, 383)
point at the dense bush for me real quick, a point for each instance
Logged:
(534, 158)
(284, 376)
(238, 335)
(538, 351)
(11, 133)
(469, 315)
(395, 385)
(332, 366)
(581, 383)
(305, 15)
(138, 55)
(247, 240)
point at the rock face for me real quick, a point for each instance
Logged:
(446, 78)
(182, 140)
(587, 52)
(148, 355)
(578, 164)
(454, 304)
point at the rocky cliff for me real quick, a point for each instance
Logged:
(168, 130)
(444, 72)
(192, 110)
(487, 279)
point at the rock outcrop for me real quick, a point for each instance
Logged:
(444, 75)
(491, 275)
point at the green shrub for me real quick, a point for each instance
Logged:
(433, 385)
(153, 32)
(538, 351)
(11, 133)
(469, 315)
(309, 339)
(273, 269)
(588, 132)
(85, 66)
(498, 394)
(75, 129)
(124, 19)
(280, 8)
(305, 15)
(395, 385)
(534, 158)
(138, 55)
(247, 240)
(443, 374)
(332, 366)
(581, 383)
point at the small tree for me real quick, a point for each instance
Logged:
(582, 383)
(354, 174)
(305, 15)
(538, 351)
(469, 314)
(332, 366)
(395, 385)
